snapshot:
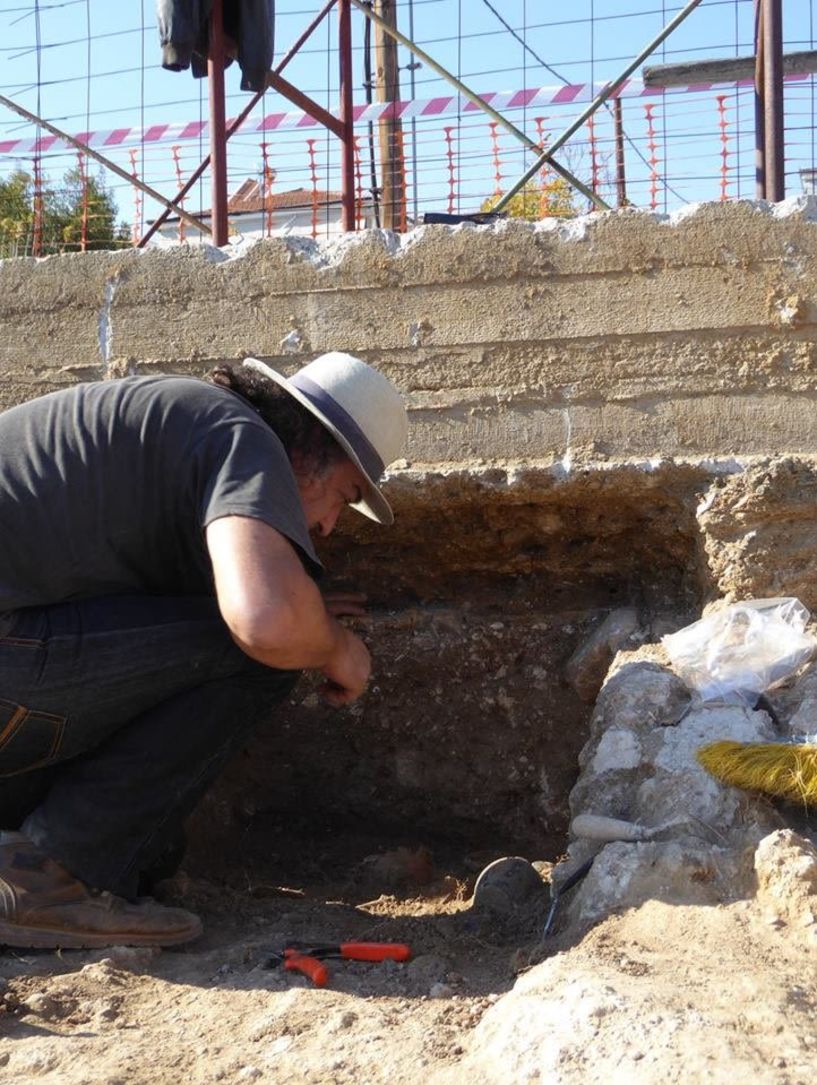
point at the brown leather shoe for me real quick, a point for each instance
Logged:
(42, 906)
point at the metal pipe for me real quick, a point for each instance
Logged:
(773, 99)
(347, 117)
(106, 162)
(233, 127)
(600, 99)
(304, 102)
(480, 102)
(218, 142)
(621, 176)
(412, 69)
(760, 121)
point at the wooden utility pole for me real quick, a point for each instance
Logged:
(387, 86)
(773, 99)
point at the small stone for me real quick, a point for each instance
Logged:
(41, 1004)
(35, 1063)
(248, 1073)
(133, 958)
(427, 968)
(506, 884)
(587, 667)
(345, 1020)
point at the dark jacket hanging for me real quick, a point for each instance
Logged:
(183, 32)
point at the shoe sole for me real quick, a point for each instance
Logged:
(12, 934)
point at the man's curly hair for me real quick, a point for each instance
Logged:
(298, 430)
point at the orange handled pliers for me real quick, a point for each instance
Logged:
(308, 959)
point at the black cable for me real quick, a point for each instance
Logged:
(523, 41)
(367, 85)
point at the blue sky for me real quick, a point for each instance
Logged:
(98, 67)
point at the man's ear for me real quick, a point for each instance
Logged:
(300, 464)
(303, 468)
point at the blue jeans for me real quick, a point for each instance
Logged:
(116, 713)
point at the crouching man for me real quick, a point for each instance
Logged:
(157, 597)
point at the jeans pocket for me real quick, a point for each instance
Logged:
(27, 628)
(28, 739)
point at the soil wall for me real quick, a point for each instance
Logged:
(615, 411)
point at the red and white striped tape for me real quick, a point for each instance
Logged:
(505, 100)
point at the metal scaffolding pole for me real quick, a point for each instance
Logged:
(599, 100)
(760, 121)
(347, 135)
(218, 124)
(773, 100)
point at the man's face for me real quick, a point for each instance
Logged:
(324, 496)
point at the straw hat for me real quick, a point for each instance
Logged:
(362, 410)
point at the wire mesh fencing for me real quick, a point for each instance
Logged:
(93, 69)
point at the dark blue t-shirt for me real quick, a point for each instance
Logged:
(107, 488)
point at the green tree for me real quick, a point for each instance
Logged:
(16, 214)
(71, 212)
(94, 206)
(551, 200)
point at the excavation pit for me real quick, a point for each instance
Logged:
(466, 745)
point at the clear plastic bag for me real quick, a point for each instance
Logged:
(738, 652)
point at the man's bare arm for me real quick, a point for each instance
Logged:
(275, 611)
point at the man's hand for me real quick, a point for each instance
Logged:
(348, 671)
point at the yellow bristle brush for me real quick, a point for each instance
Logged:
(785, 769)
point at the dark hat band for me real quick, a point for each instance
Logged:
(343, 422)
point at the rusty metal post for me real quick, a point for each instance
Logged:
(773, 99)
(760, 125)
(621, 177)
(346, 114)
(218, 141)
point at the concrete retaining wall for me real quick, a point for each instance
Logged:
(614, 336)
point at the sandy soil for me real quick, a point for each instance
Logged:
(660, 994)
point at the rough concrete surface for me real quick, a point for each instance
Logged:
(614, 336)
